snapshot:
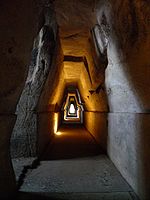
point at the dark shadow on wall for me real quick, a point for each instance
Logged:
(144, 166)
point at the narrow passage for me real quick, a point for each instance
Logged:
(71, 141)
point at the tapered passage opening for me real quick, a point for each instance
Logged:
(72, 109)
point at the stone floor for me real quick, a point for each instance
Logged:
(72, 168)
(74, 141)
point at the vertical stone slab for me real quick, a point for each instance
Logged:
(24, 139)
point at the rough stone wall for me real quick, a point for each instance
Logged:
(128, 88)
(19, 21)
(24, 137)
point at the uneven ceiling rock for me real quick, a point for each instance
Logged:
(75, 20)
(74, 17)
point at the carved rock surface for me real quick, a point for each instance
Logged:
(128, 88)
(24, 138)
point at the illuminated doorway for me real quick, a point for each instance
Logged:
(72, 109)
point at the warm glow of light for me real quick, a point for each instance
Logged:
(58, 133)
(55, 122)
(72, 109)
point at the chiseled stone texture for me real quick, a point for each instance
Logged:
(128, 88)
(24, 137)
(127, 74)
(74, 17)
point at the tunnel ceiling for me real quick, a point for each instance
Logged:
(74, 17)
(75, 20)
